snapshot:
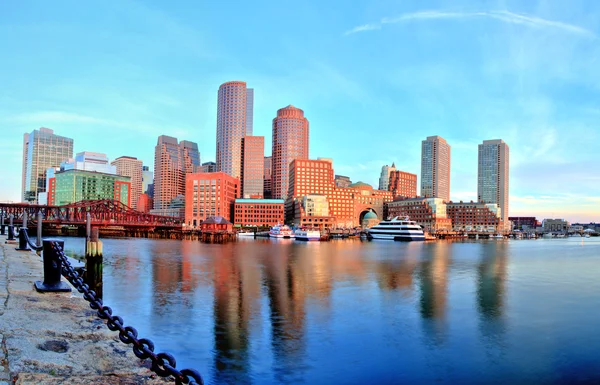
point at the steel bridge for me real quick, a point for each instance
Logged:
(103, 213)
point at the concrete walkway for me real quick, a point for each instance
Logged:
(56, 338)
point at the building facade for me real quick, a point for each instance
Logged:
(524, 223)
(493, 174)
(435, 168)
(475, 216)
(131, 167)
(253, 163)
(290, 142)
(268, 172)
(403, 184)
(384, 178)
(89, 161)
(258, 212)
(234, 122)
(41, 150)
(172, 161)
(74, 185)
(209, 167)
(342, 181)
(429, 213)
(558, 225)
(144, 203)
(209, 194)
(147, 181)
(346, 206)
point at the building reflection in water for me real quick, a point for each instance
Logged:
(433, 285)
(491, 287)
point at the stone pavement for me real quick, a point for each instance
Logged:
(56, 338)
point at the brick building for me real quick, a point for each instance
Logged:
(474, 216)
(253, 163)
(403, 184)
(209, 194)
(429, 213)
(258, 212)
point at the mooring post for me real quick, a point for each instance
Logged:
(2, 228)
(39, 229)
(93, 262)
(23, 240)
(25, 219)
(11, 229)
(52, 268)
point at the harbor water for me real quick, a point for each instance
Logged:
(355, 312)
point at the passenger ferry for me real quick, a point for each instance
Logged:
(397, 229)
(307, 235)
(281, 231)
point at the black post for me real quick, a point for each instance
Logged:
(2, 228)
(11, 229)
(23, 240)
(52, 269)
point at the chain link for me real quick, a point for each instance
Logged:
(163, 364)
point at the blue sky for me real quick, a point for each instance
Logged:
(373, 77)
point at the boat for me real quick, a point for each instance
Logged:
(307, 235)
(497, 236)
(246, 233)
(281, 231)
(397, 229)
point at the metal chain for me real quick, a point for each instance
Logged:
(163, 364)
(31, 244)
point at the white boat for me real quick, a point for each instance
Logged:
(397, 229)
(281, 231)
(307, 235)
(497, 236)
(245, 234)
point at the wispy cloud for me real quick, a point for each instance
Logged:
(504, 16)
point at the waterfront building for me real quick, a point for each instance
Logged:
(493, 174)
(524, 223)
(172, 161)
(209, 194)
(384, 178)
(216, 223)
(475, 216)
(89, 161)
(558, 225)
(73, 185)
(209, 167)
(346, 207)
(435, 168)
(253, 163)
(342, 181)
(268, 172)
(403, 184)
(258, 212)
(429, 213)
(234, 122)
(42, 149)
(131, 167)
(369, 220)
(144, 203)
(290, 142)
(147, 181)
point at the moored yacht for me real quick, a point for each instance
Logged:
(397, 229)
(281, 231)
(307, 235)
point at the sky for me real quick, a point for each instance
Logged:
(374, 78)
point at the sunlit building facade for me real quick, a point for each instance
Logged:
(493, 174)
(258, 212)
(403, 184)
(253, 161)
(131, 167)
(74, 185)
(475, 216)
(267, 181)
(435, 168)
(384, 178)
(429, 213)
(209, 194)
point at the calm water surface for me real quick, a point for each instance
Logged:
(349, 312)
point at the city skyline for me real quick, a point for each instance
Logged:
(116, 95)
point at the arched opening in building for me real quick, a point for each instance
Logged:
(365, 212)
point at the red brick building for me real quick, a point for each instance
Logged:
(403, 184)
(258, 212)
(209, 194)
(144, 203)
(346, 206)
(216, 223)
(430, 213)
(474, 216)
(253, 163)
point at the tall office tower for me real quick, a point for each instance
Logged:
(147, 181)
(131, 167)
(172, 161)
(435, 168)
(234, 121)
(208, 167)
(492, 175)
(253, 161)
(384, 178)
(290, 142)
(42, 150)
(268, 172)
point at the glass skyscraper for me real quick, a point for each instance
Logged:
(493, 174)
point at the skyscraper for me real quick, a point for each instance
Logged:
(493, 173)
(435, 168)
(234, 121)
(147, 181)
(131, 167)
(268, 172)
(384, 178)
(290, 142)
(253, 161)
(41, 150)
(172, 161)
